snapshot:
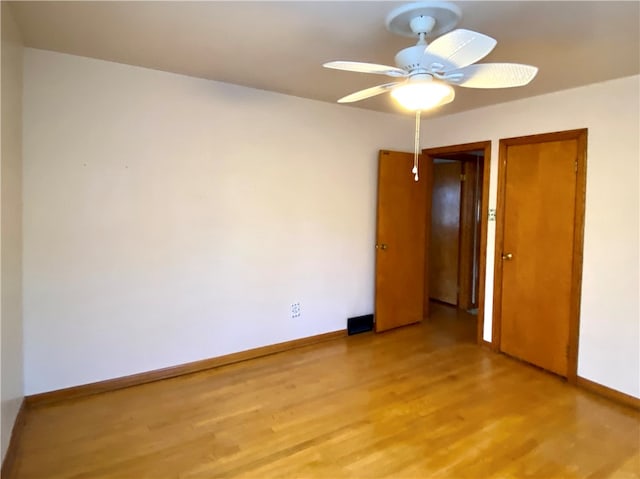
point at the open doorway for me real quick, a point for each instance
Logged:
(458, 230)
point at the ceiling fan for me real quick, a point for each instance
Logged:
(429, 69)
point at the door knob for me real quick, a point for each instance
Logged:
(507, 256)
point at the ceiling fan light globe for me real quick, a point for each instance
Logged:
(423, 95)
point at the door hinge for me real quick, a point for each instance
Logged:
(463, 177)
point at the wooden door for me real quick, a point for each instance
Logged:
(401, 241)
(445, 231)
(540, 257)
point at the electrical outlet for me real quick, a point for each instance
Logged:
(295, 310)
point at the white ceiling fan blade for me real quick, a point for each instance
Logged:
(362, 67)
(492, 75)
(368, 92)
(457, 49)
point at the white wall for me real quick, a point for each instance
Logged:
(169, 219)
(11, 226)
(609, 345)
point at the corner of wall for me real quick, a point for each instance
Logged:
(11, 320)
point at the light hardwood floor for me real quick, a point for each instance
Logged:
(419, 402)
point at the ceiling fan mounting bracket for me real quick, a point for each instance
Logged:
(430, 18)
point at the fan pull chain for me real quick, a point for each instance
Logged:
(416, 151)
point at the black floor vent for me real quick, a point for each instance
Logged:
(360, 324)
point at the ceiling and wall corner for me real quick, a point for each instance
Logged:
(11, 320)
(281, 46)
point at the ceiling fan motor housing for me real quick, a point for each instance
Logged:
(409, 58)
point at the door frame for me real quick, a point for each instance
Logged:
(429, 154)
(580, 135)
(468, 205)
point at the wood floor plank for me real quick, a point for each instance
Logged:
(422, 401)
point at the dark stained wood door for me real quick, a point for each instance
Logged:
(537, 258)
(401, 241)
(445, 231)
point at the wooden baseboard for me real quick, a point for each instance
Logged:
(74, 392)
(486, 344)
(9, 460)
(609, 393)
(443, 303)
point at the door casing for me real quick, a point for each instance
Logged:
(580, 135)
(429, 155)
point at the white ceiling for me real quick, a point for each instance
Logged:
(280, 46)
